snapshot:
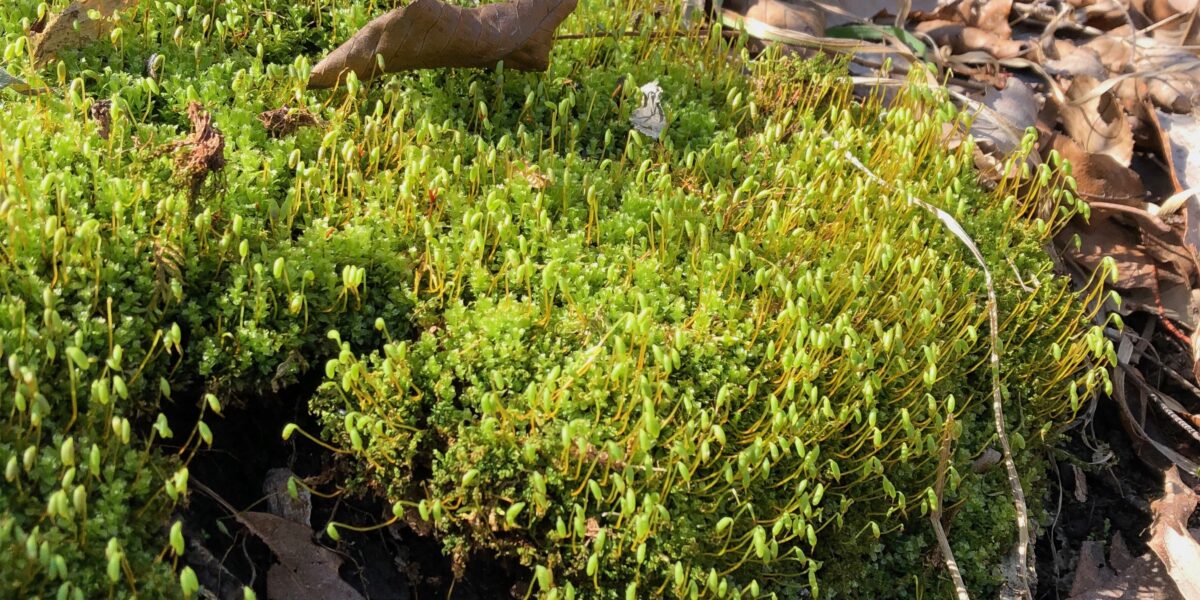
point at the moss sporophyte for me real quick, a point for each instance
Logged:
(721, 364)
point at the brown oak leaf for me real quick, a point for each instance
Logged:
(428, 34)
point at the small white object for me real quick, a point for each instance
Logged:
(649, 119)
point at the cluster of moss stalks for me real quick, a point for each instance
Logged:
(719, 364)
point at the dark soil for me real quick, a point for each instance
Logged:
(393, 563)
(1122, 480)
(1116, 496)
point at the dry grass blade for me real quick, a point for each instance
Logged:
(769, 32)
(430, 34)
(16, 84)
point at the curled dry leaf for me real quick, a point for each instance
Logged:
(1171, 74)
(963, 38)
(1105, 14)
(989, 15)
(73, 28)
(1066, 60)
(1097, 121)
(1009, 112)
(1170, 539)
(305, 569)
(1100, 177)
(793, 15)
(429, 34)
(972, 25)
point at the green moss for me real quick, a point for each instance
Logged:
(730, 353)
(587, 334)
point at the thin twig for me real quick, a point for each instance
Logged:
(935, 515)
(1157, 397)
(1173, 374)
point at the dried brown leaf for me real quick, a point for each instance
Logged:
(1091, 570)
(73, 28)
(1182, 134)
(963, 38)
(1108, 14)
(1081, 488)
(1156, 272)
(793, 15)
(1142, 578)
(1115, 49)
(989, 15)
(1171, 74)
(1097, 122)
(1106, 238)
(1068, 61)
(1168, 572)
(1182, 27)
(1100, 176)
(305, 569)
(1010, 112)
(1170, 539)
(429, 34)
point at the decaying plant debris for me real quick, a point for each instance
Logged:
(101, 113)
(282, 122)
(204, 148)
